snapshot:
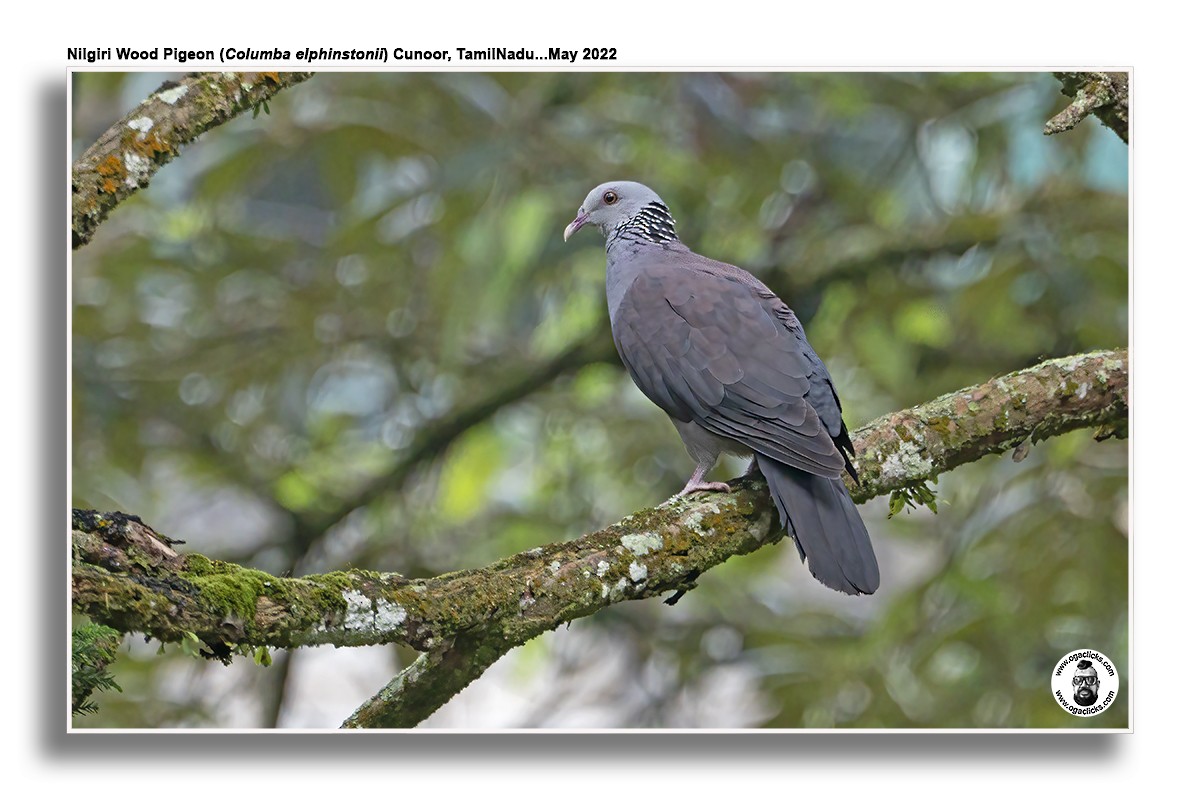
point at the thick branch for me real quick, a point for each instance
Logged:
(130, 578)
(1049, 399)
(128, 154)
(1104, 94)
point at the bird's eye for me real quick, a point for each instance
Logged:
(610, 197)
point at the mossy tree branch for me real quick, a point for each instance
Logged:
(1104, 94)
(129, 577)
(127, 155)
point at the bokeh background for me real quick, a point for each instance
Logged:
(348, 333)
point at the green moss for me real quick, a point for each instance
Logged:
(196, 565)
(325, 593)
(940, 424)
(230, 594)
(231, 589)
(338, 580)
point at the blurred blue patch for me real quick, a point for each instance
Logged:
(1106, 165)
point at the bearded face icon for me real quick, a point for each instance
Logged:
(1086, 683)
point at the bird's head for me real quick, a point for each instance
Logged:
(615, 203)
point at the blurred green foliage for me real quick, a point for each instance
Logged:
(349, 333)
(93, 648)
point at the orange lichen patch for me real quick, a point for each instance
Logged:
(147, 144)
(110, 167)
(150, 145)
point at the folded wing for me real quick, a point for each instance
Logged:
(709, 347)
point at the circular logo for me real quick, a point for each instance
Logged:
(1085, 682)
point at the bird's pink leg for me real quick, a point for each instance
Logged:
(696, 483)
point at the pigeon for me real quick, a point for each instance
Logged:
(711, 345)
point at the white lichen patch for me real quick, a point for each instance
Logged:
(637, 572)
(138, 169)
(604, 590)
(1082, 391)
(555, 566)
(1072, 363)
(389, 616)
(695, 521)
(359, 614)
(602, 568)
(642, 543)
(906, 463)
(362, 614)
(619, 587)
(1107, 366)
(142, 125)
(171, 96)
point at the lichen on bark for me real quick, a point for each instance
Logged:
(127, 155)
(129, 577)
(1104, 95)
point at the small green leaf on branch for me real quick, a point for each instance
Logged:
(911, 496)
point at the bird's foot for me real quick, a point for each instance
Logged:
(703, 486)
(696, 483)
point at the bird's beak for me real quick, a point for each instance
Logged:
(575, 225)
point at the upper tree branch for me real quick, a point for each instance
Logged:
(130, 578)
(1104, 94)
(128, 154)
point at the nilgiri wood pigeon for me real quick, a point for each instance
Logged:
(712, 346)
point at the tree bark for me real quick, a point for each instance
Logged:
(129, 577)
(1103, 94)
(127, 155)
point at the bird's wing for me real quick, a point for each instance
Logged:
(822, 396)
(722, 352)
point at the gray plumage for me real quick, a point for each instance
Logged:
(712, 346)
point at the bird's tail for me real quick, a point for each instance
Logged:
(825, 525)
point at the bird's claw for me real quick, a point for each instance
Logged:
(704, 486)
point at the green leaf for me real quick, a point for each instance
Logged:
(190, 644)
